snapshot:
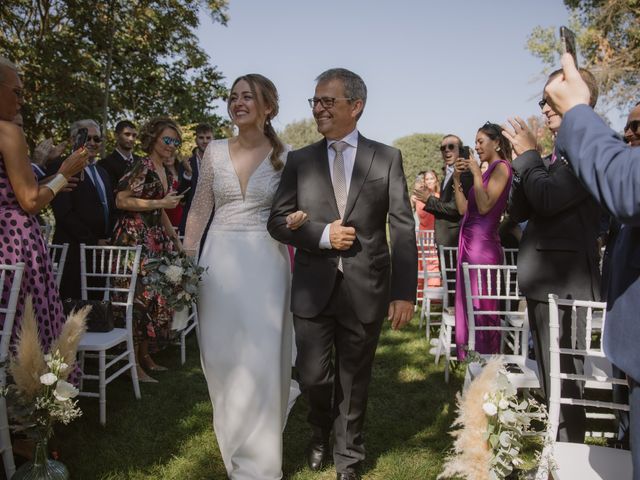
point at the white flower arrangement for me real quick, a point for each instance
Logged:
(493, 422)
(40, 395)
(174, 276)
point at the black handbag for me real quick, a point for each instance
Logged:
(100, 318)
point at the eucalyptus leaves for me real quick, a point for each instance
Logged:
(174, 276)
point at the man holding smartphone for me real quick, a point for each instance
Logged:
(84, 215)
(447, 225)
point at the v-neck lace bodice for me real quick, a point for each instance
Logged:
(219, 186)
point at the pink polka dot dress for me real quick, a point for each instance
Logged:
(22, 241)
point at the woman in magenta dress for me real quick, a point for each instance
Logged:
(479, 242)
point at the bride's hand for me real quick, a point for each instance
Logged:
(296, 219)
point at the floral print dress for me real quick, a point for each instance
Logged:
(151, 314)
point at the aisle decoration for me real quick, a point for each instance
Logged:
(492, 422)
(175, 277)
(41, 395)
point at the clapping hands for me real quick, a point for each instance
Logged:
(521, 138)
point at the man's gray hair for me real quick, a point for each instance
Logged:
(354, 86)
(6, 64)
(87, 123)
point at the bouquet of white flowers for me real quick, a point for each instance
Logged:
(493, 422)
(175, 276)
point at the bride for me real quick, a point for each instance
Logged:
(245, 324)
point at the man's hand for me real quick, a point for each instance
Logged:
(566, 91)
(72, 183)
(341, 238)
(103, 242)
(422, 194)
(400, 312)
(521, 138)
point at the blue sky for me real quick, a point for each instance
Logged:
(430, 66)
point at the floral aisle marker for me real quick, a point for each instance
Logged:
(492, 422)
(40, 395)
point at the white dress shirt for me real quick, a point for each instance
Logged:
(349, 155)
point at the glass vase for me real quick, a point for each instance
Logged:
(42, 467)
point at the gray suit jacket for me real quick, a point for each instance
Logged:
(378, 189)
(610, 170)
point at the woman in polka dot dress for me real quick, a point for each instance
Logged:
(21, 198)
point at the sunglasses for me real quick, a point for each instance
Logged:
(542, 103)
(170, 140)
(95, 138)
(633, 126)
(447, 146)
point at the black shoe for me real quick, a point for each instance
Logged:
(347, 476)
(318, 453)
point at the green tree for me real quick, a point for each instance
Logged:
(110, 60)
(420, 151)
(608, 35)
(300, 133)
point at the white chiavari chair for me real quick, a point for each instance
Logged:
(490, 291)
(58, 255)
(9, 314)
(576, 460)
(113, 272)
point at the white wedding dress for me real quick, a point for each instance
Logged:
(245, 322)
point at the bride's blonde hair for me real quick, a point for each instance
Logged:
(266, 95)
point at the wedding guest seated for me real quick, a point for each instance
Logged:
(144, 193)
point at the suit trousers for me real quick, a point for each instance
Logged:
(334, 362)
(572, 423)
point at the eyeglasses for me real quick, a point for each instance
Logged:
(95, 138)
(633, 126)
(447, 146)
(493, 127)
(170, 140)
(542, 103)
(326, 102)
(19, 92)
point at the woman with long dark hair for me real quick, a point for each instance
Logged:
(479, 242)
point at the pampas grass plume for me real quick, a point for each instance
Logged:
(471, 457)
(28, 364)
(67, 343)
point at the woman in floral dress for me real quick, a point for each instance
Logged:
(143, 194)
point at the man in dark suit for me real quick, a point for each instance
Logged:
(122, 157)
(559, 250)
(83, 215)
(610, 170)
(190, 170)
(345, 281)
(447, 224)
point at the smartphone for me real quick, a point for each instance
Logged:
(185, 191)
(568, 43)
(465, 153)
(81, 139)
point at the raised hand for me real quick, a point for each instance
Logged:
(521, 138)
(74, 163)
(341, 237)
(563, 92)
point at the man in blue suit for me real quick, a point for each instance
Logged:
(610, 170)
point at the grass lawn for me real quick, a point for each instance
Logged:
(168, 433)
